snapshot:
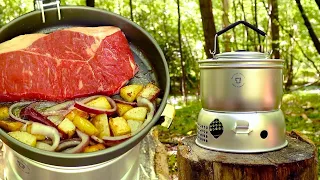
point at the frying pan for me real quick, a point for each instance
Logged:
(147, 54)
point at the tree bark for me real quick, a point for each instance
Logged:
(296, 161)
(307, 23)
(131, 10)
(274, 19)
(90, 3)
(182, 60)
(225, 20)
(209, 29)
(246, 32)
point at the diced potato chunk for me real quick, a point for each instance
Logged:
(24, 137)
(4, 112)
(39, 137)
(101, 123)
(130, 92)
(137, 113)
(67, 127)
(10, 125)
(119, 126)
(101, 102)
(85, 125)
(123, 108)
(150, 91)
(134, 125)
(94, 148)
(78, 112)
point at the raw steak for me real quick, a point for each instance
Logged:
(65, 64)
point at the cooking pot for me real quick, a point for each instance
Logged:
(241, 81)
(147, 54)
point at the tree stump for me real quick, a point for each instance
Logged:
(297, 161)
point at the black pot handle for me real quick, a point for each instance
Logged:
(232, 26)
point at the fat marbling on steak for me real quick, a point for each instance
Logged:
(65, 64)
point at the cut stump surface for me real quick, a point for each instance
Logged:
(297, 161)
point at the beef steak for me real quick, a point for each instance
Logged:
(65, 64)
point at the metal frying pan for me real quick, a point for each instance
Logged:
(147, 54)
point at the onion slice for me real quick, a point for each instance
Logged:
(146, 103)
(61, 106)
(134, 104)
(82, 106)
(15, 105)
(84, 143)
(68, 144)
(43, 146)
(51, 132)
(96, 139)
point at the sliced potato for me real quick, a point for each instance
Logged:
(137, 113)
(150, 91)
(4, 112)
(94, 148)
(134, 125)
(39, 137)
(24, 137)
(78, 112)
(130, 92)
(85, 125)
(101, 123)
(67, 127)
(101, 102)
(119, 126)
(123, 108)
(10, 125)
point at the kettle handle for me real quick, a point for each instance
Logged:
(232, 26)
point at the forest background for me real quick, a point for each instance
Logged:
(185, 30)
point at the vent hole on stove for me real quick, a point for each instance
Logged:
(264, 134)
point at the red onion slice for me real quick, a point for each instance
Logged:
(81, 105)
(96, 139)
(68, 144)
(134, 104)
(51, 132)
(84, 143)
(15, 105)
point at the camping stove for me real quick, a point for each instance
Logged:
(18, 167)
(241, 132)
(241, 94)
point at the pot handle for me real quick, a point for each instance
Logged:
(167, 116)
(43, 4)
(232, 26)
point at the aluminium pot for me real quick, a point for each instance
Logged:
(241, 81)
(145, 49)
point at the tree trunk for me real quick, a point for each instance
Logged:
(225, 20)
(309, 27)
(182, 62)
(246, 32)
(296, 161)
(318, 3)
(289, 64)
(274, 19)
(90, 3)
(209, 29)
(131, 10)
(235, 20)
(256, 22)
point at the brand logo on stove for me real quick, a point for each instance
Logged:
(237, 80)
